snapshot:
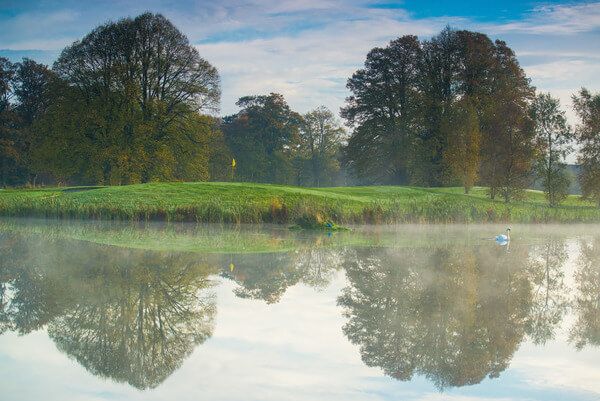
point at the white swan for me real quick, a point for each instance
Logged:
(503, 239)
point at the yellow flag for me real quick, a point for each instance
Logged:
(232, 163)
(231, 267)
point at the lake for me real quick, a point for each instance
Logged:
(98, 311)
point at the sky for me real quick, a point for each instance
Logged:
(307, 49)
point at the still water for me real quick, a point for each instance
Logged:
(92, 311)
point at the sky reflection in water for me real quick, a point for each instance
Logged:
(421, 313)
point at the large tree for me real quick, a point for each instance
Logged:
(128, 109)
(552, 136)
(262, 137)
(383, 112)
(587, 106)
(508, 147)
(403, 115)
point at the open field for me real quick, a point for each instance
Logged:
(262, 203)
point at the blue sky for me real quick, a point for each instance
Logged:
(306, 49)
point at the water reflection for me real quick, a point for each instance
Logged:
(131, 316)
(586, 330)
(452, 313)
(549, 293)
(268, 276)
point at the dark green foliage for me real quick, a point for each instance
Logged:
(587, 106)
(552, 136)
(383, 110)
(121, 106)
(319, 148)
(9, 137)
(403, 98)
(262, 137)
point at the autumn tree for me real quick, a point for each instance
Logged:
(128, 109)
(461, 156)
(587, 106)
(320, 141)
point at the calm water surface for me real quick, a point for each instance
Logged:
(119, 312)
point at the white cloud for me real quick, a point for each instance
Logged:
(555, 19)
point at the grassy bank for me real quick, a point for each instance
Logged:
(260, 203)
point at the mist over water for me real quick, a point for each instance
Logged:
(105, 310)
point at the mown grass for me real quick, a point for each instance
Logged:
(262, 203)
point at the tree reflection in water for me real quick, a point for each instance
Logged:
(452, 314)
(549, 293)
(268, 276)
(132, 316)
(586, 330)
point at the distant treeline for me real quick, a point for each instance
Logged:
(134, 102)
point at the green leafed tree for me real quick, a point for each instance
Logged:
(320, 141)
(263, 137)
(587, 106)
(383, 112)
(553, 136)
(508, 140)
(9, 149)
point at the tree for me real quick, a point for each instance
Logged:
(9, 139)
(508, 147)
(552, 136)
(383, 112)
(128, 109)
(461, 156)
(262, 137)
(587, 134)
(438, 84)
(35, 89)
(320, 142)
(405, 126)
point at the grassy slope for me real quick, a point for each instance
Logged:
(253, 203)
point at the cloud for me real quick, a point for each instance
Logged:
(40, 31)
(307, 49)
(558, 19)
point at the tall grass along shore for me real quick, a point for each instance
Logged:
(261, 203)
